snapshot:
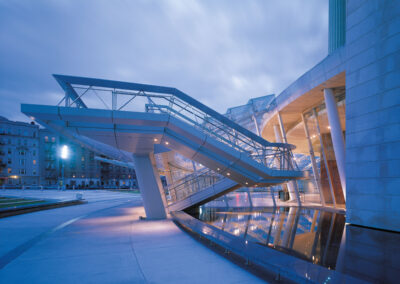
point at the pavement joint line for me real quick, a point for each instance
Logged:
(134, 253)
(19, 250)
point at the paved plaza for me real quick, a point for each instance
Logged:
(104, 241)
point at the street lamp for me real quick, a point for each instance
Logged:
(64, 155)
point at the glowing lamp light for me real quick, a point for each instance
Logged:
(64, 152)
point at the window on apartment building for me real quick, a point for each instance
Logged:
(22, 171)
(19, 132)
(34, 162)
(9, 170)
(34, 152)
(25, 133)
(19, 141)
(22, 162)
(34, 134)
(9, 161)
(46, 139)
(22, 152)
(9, 151)
(25, 142)
(53, 139)
(34, 172)
(9, 141)
(9, 131)
(83, 158)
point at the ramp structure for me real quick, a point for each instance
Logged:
(144, 124)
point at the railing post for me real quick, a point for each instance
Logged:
(114, 101)
(67, 99)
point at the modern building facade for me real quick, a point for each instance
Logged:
(19, 153)
(345, 113)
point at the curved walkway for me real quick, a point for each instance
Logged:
(105, 242)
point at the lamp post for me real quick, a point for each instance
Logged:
(64, 155)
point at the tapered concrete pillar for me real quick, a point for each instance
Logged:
(337, 136)
(150, 186)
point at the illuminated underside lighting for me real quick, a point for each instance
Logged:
(166, 143)
(218, 169)
(155, 140)
(228, 174)
(247, 183)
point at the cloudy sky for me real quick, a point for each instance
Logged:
(220, 52)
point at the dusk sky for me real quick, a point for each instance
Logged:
(220, 52)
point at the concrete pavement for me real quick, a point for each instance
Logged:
(105, 242)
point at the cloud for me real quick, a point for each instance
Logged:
(220, 52)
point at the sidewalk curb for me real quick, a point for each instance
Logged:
(33, 208)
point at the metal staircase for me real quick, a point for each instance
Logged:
(120, 118)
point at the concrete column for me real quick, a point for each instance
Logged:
(150, 186)
(337, 136)
(292, 185)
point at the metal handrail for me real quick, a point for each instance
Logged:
(180, 105)
(194, 182)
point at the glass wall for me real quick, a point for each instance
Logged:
(318, 127)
